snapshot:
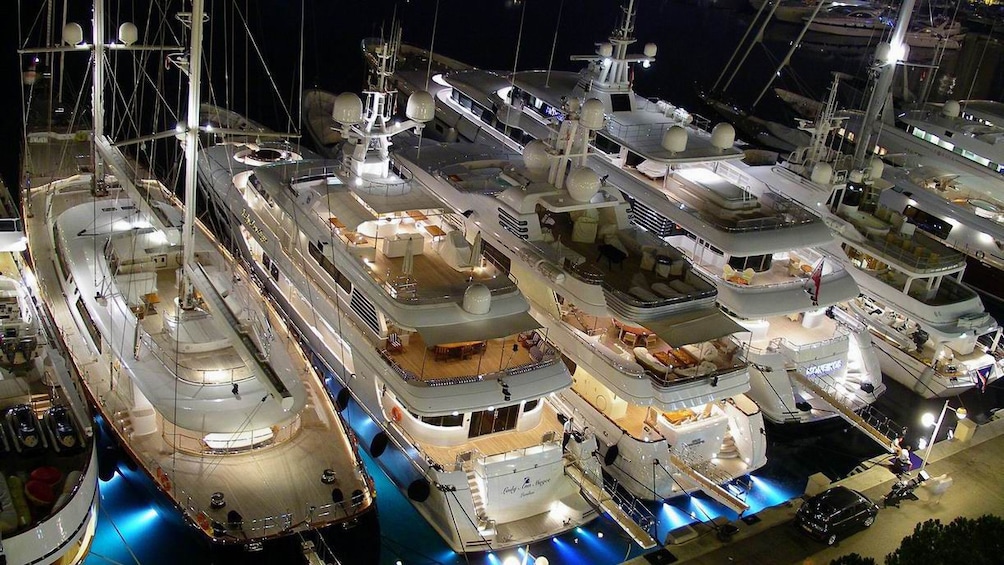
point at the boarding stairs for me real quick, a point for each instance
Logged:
(707, 476)
(872, 422)
(485, 524)
(626, 511)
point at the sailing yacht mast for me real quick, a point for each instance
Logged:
(886, 57)
(191, 151)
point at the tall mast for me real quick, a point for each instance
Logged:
(191, 151)
(97, 95)
(886, 57)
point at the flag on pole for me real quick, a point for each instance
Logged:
(815, 281)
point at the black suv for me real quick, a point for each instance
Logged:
(835, 512)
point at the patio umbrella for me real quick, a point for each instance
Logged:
(408, 263)
(476, 250)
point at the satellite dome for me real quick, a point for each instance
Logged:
(348, 109)
(477, 299)
(675, 139)
(650, 50)
(73, 34)
(591, 116)
(573, 104)
(421, 107)
(535, 155)
(822, 173)
(951, 109)
(856, 176)
(128, 34)
(875, 168)
(723, 136)
(606, 50)
(582, 184)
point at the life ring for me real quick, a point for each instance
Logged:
(203, 522)
(396, 414)
(164, 480)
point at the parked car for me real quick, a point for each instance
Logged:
(62, 429)
(25, 433)
(835, 513)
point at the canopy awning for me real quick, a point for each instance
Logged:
(694, 326)
(478, 330)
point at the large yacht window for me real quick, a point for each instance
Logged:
(606, 145)
(931, 224)
(448, 421)
(620, 102)
(493, 421)
(758, 263)
(529, 405)
(327, 265)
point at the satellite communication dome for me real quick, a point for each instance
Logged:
(606, 50)
(675, 139)
(535, 155)
(591, 116)
(73, 34)
(128, 34)
(348, 109)
(477, 299)
(875, 168)
(421, 107)
(573, 104)
(856, 176)
(582, 184)
(951, 109)
(651, 49)
(822, 173)
(723, 136)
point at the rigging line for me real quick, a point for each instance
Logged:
(268, 73)
(554, 45)
(471, 522)
(299, 68)
(432, 45)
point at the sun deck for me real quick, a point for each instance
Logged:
(455, 360)
(272, 486)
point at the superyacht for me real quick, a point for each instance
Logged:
(196, 375)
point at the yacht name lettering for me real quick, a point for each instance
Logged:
(253, 226)
(528, 488)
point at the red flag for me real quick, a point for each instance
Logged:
(815, 280)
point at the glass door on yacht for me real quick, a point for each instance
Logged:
(491, 421)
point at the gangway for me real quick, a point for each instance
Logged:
(871, 430)
(600, 497)
(682, 462)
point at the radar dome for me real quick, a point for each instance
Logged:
(477, 299)
(582, 184)
(348, 109)
(591, 116)
(951, 109)
(535, 155)
(822, 173)
(128, 34)
(73, 34)
(875, 168)
(675, 139)
(606, 50)
(650, 50)
(723, 136)
(573, 105)
(856, 176)
(421, 107)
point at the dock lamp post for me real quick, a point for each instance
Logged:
(928, 419)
